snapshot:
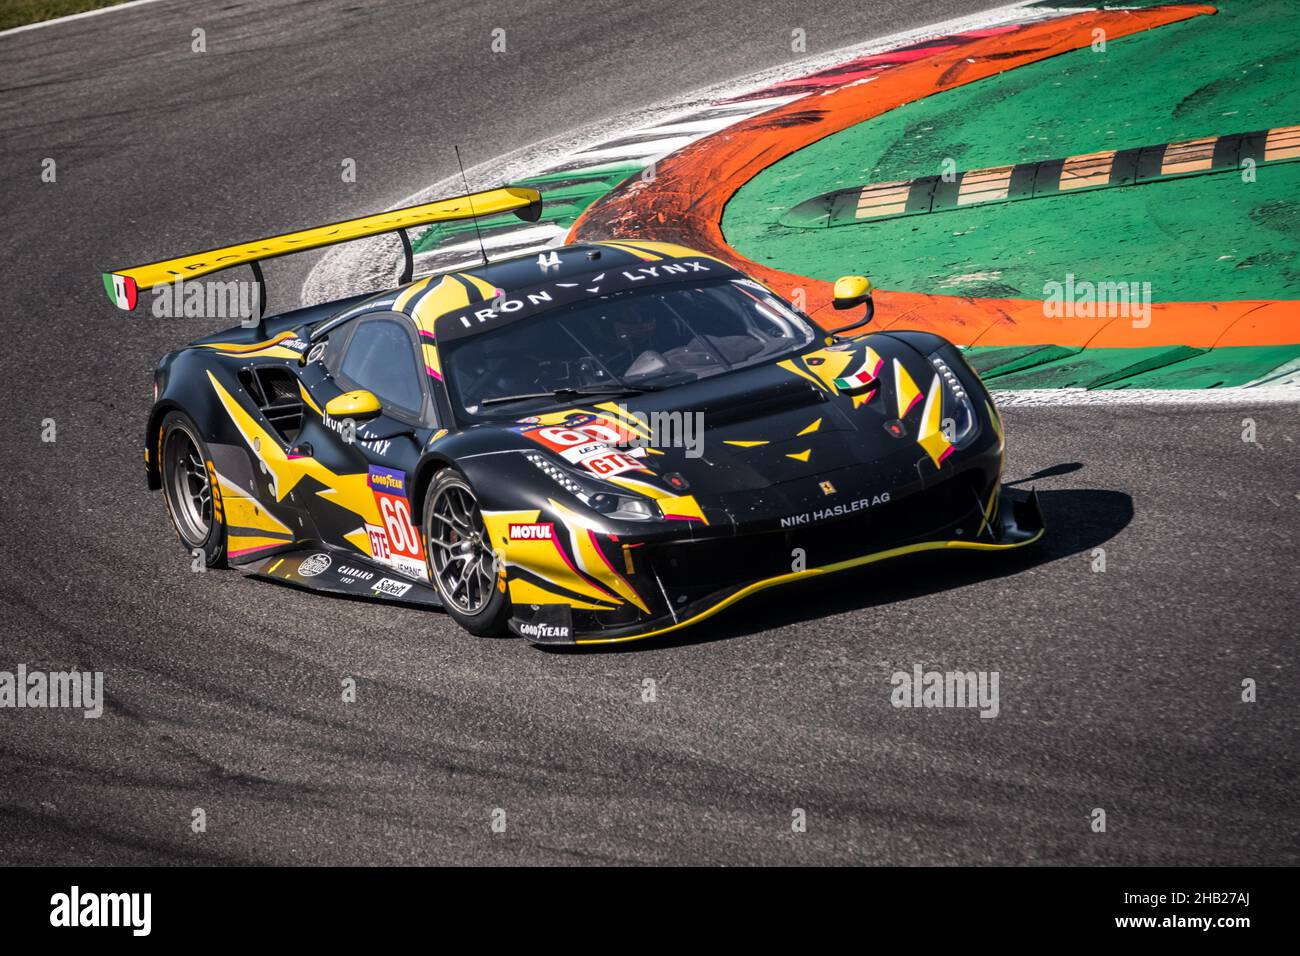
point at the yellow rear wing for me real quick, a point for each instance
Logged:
(122, 285)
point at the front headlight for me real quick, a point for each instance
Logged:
(963, 419)
(608, 503)
(557, 474)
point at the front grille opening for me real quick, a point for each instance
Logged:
(702, 567)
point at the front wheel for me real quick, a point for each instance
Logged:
(188, 479)
(462, 562)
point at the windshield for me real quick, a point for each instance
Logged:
(621, 344)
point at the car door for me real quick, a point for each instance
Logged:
(374, 456)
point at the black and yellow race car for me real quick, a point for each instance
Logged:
(596, 444)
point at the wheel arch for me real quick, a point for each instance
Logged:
(187, 390)
(153, 441)
(425, 471)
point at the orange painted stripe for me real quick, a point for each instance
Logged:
(883, 199)
(1191, 156)
(691, 188)
(1282, 143)
(1090, 169)
(984, 185)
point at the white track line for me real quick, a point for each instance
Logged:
(1236, 395)
(699, 127)
(638, 149)
(75, 16)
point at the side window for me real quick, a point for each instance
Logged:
(381, 358)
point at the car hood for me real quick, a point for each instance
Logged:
(863, 403)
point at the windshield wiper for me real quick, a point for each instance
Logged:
(571, 393)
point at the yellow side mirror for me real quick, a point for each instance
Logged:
(355, 404)
(851, 291)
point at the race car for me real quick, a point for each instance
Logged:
(600, 443)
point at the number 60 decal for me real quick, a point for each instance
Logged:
(402, 538)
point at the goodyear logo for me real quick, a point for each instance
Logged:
(560, 631)
(386, 479)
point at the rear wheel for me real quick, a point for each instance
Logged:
(187, 484)
(462, 562)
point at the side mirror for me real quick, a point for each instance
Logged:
(358, 404)
(849, 292)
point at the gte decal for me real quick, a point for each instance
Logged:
(611, 463)
(544, 531)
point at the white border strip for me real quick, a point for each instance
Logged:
(75, 16)
(1283, 393)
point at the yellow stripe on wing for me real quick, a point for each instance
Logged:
(490, 202)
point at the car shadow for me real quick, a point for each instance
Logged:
(1076, 520)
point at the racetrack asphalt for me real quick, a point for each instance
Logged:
(1119, 689)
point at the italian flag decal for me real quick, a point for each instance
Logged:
(851, 383)
(864, 376)
(120, 289)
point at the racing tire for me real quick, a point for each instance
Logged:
(460, 556)
(193, 504)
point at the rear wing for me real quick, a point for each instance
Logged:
(123, 285)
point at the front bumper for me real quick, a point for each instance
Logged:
(696, 579)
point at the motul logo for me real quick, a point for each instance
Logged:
(532, 532)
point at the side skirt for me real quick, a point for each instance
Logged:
(335, 572)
